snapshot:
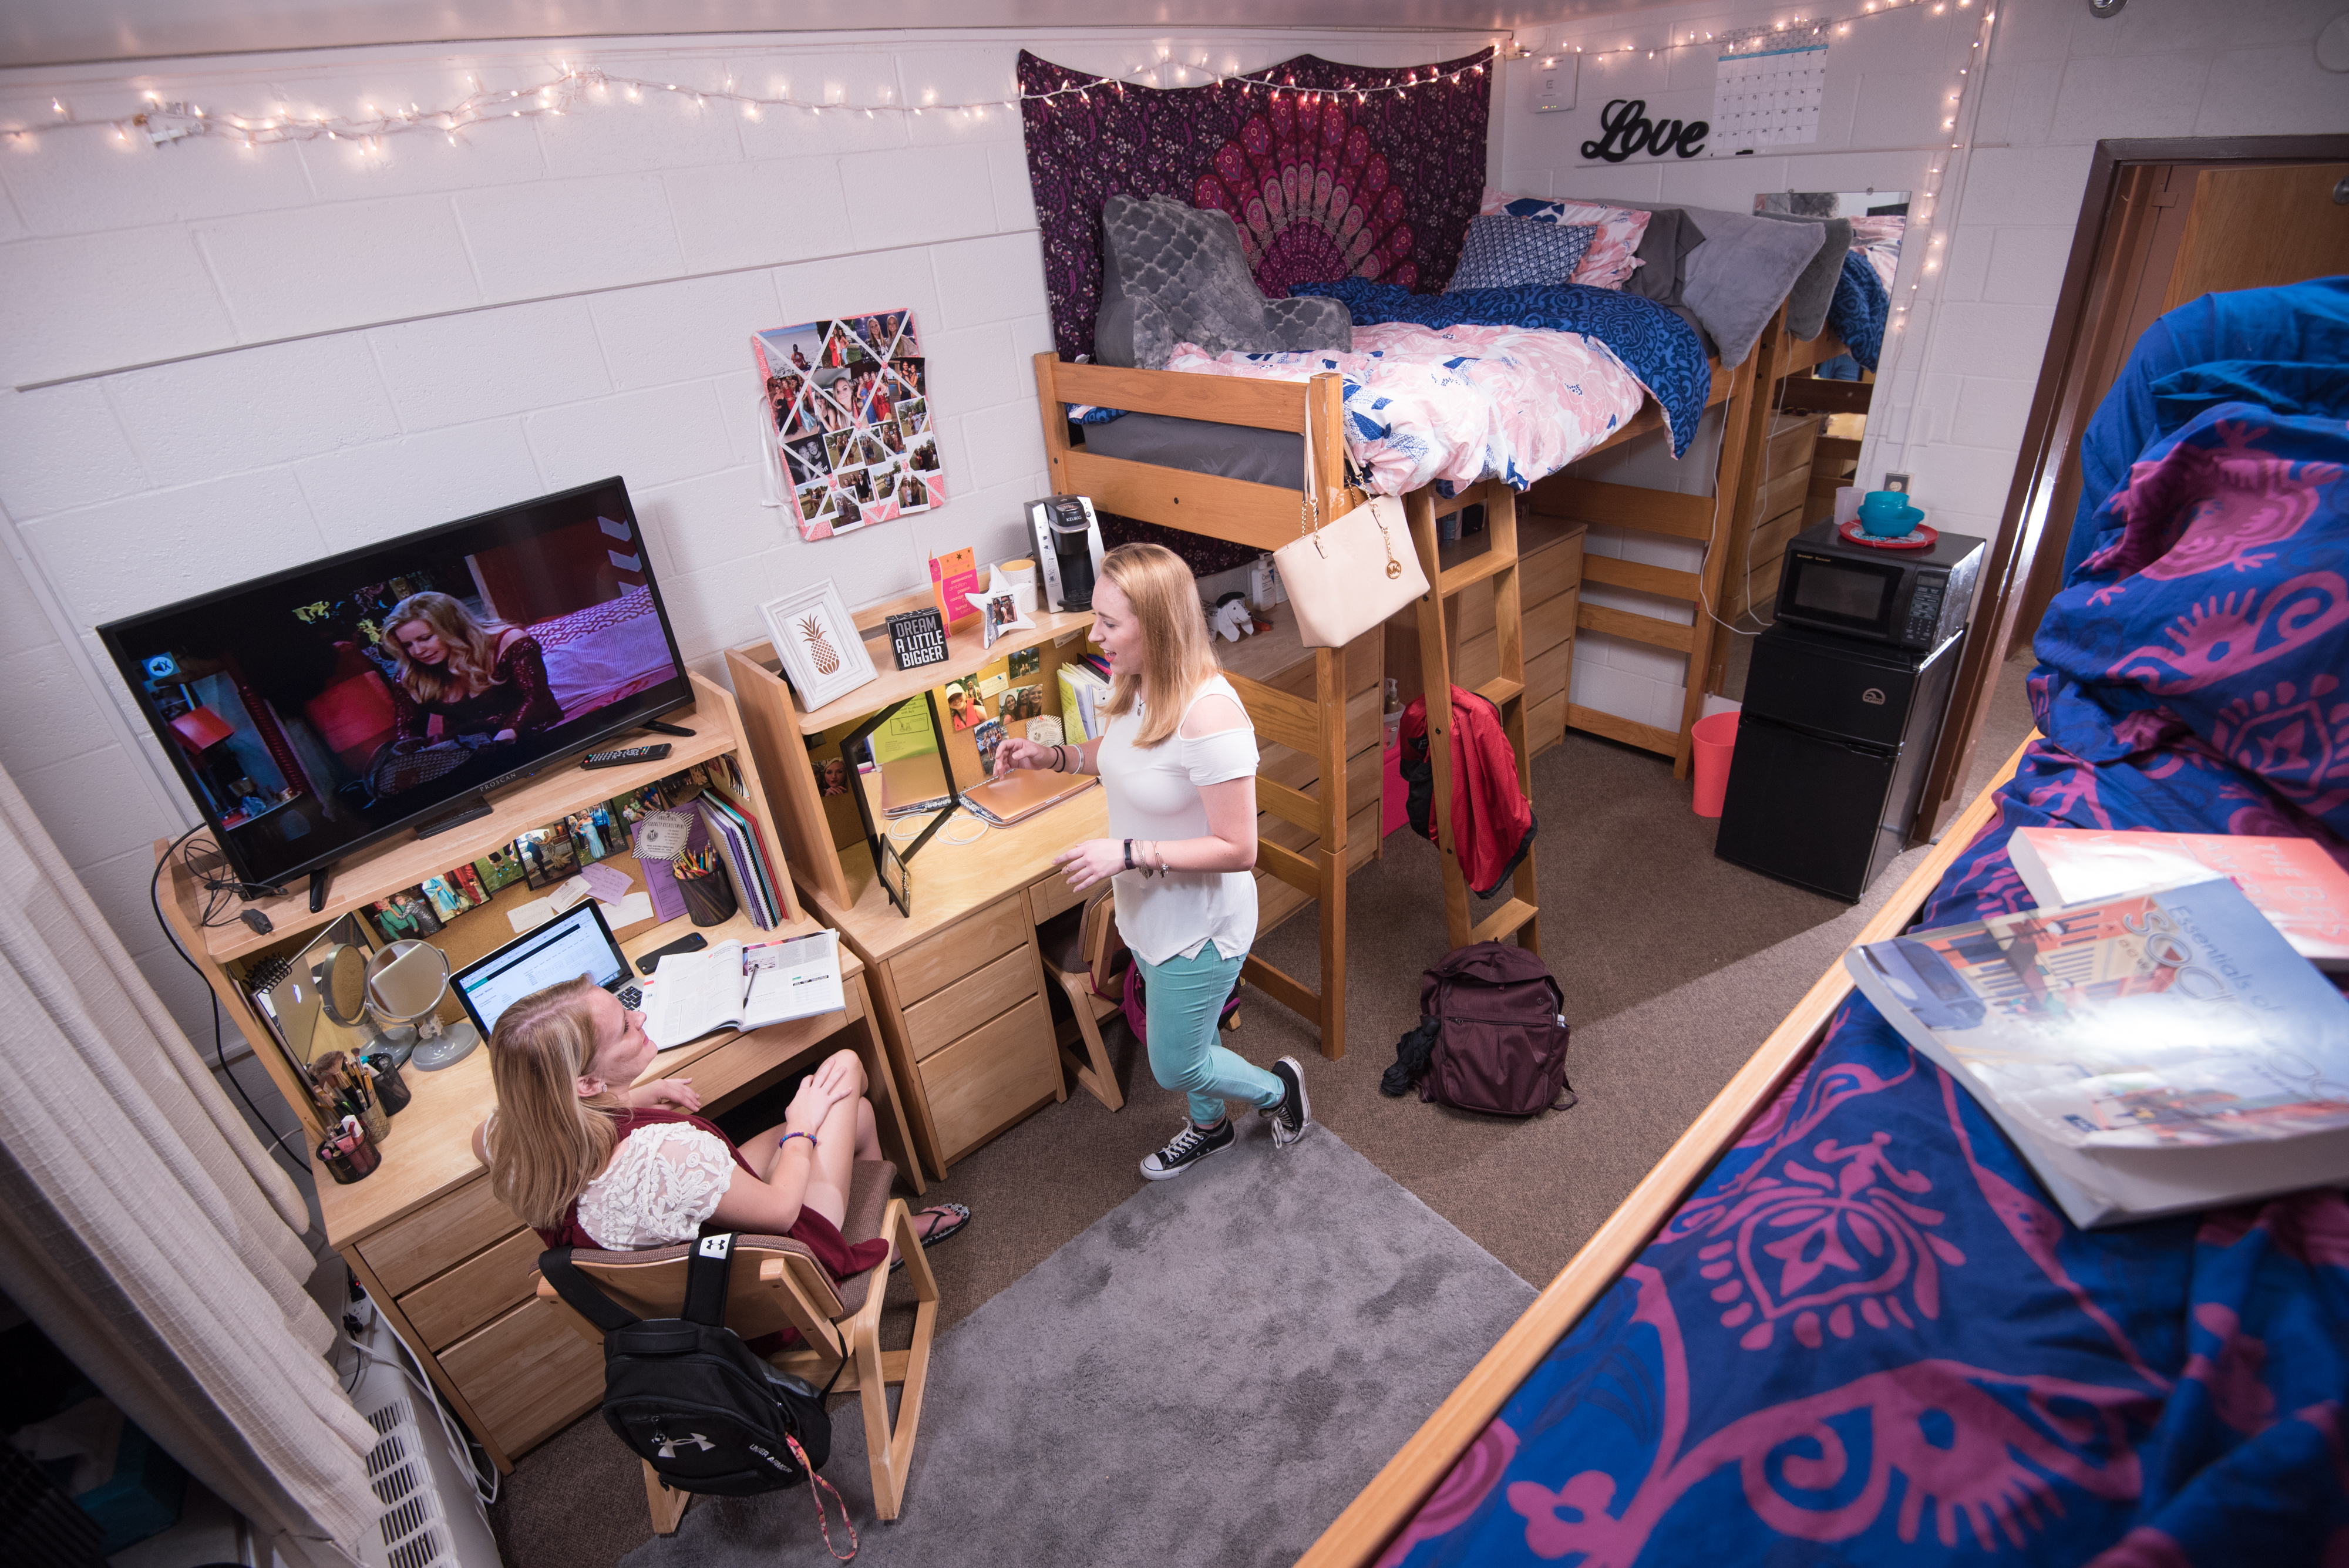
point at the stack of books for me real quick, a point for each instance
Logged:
(743, 851)
(2150, 1047)
(1084, 687)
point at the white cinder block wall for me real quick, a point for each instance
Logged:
(1957, 380)
(344, 343)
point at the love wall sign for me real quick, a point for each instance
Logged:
(1626, 128)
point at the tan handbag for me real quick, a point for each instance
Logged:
(1349, 573)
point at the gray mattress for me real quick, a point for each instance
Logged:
(1202, 446)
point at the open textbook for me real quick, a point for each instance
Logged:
(2148, 1053)
(731, 986)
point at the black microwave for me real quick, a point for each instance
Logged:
(1909, 598)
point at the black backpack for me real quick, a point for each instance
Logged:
(1491, 1037)
(689, 1397)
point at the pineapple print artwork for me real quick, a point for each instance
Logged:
(819, 649)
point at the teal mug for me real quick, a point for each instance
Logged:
(1887, 514)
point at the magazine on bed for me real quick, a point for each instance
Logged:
(2293, 882)
(2149, 1054)
(731, 986)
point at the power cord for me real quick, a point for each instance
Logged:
(220, 1044)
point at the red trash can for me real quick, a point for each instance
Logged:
(1715, 740)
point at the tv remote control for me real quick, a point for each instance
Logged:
(624, 755)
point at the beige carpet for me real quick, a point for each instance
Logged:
(1674, 966)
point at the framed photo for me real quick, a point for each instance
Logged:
(547, 855)
(818, 644)
(409, 913)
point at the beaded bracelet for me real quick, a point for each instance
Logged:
(788, 1136)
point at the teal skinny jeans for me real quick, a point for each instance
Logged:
(1183, 998)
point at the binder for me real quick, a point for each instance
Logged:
(740, 869)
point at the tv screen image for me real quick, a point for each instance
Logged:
(317, 710)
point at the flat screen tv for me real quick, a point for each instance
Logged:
(318, 709)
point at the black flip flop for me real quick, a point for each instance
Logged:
(939, 1233)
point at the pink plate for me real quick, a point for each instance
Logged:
(1921, 537)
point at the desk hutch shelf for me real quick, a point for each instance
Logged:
(448, 1265)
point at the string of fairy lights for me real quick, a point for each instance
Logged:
(577, 87)
(574, 88)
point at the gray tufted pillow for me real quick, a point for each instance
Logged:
(1173, 274)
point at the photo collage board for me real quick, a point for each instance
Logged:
(848, 402)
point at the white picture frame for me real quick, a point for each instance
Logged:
(804, 625)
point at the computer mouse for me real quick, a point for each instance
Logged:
(257, 920)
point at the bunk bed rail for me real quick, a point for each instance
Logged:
(1357, 1536)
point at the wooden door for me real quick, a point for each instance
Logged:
(2254, 228)
(2127, 252)
(2188, 230)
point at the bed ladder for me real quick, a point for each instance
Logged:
(1519, 915)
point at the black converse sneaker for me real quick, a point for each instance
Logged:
(1292, 1113)
(1186, 1150)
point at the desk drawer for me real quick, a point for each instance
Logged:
(1550, 571)
(470, 1294)
(1049, 896)
(936, 962)
(991, 1077)
(435, 1239)
(1002, 985)
(527, 1375)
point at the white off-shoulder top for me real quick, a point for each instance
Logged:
(660, 1185)
(1155, 794)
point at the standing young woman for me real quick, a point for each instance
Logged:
(1178, 763)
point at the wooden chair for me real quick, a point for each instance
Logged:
(776, 1282)
(1077, 945)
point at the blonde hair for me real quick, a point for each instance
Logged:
(1176, 657)
(472, 645)
(547, 1141)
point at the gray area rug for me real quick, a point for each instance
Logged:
(1206, 1375)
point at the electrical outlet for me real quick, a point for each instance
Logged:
(1554, 82)
(1899, 481)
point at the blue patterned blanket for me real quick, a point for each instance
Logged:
(1663, 351)
(1869, 1337)
(1857, 311)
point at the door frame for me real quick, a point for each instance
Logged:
(2060, 412)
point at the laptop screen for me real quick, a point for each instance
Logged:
(571, 944)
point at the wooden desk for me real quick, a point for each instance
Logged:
(451, 1266)
(957, 989)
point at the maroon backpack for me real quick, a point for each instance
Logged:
(1500, 1031)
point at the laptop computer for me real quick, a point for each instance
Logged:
(577, 941)
(917, 782)
(1015, 794)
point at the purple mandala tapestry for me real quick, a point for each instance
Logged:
(1323, 183)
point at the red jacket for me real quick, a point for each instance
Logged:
(1491, 817)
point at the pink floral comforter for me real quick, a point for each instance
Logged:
(1458, 405)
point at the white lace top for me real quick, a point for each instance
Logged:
(661, 1183)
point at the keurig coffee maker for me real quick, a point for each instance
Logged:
(1067, 550)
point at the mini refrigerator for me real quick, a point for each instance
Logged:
(1832, 748)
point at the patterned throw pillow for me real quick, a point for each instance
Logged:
(1612, 257)
(1504, 252)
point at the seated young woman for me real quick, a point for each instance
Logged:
(588, 1161)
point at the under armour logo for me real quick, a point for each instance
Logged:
(717, 1246)
(670, 1446)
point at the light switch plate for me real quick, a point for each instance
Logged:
(1554, 81)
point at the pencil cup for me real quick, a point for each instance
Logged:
(390, 1086)
(708, 897)
(349, 1155)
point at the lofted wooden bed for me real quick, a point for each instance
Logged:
(1318, 709)
(1359, 1536)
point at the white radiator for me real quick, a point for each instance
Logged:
(432, 1517)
